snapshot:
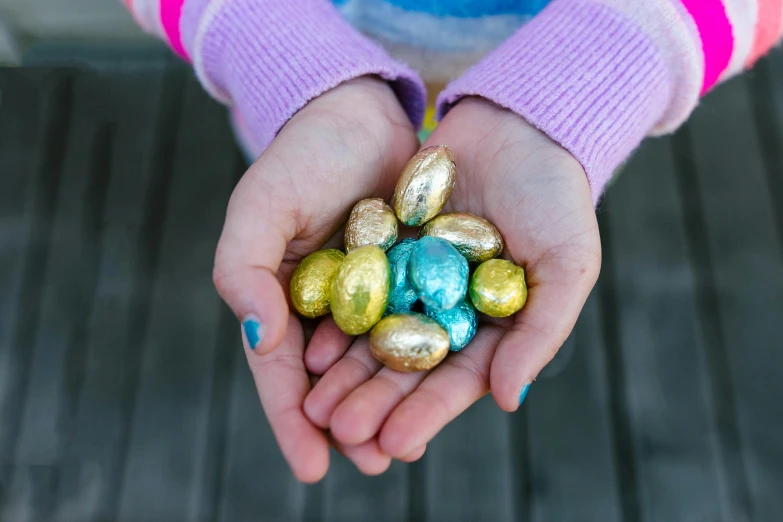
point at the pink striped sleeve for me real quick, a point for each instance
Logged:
(734, 34)
(161, 18)
(598, 75)
(717, 38)
(268, 58)
(170, 15)
(768, 29)
(147, 15)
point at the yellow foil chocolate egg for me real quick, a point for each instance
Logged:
(475, 238)
(498, 288)
(425, 185)
(372, 222)
(409, 342)
(311, 283)
(360, 290)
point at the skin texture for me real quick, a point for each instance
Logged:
(293, 201)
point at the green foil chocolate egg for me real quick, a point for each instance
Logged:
(360, 290)
(311, 282)
(498, 288)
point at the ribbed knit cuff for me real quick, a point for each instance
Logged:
(269, 58)
(585, 75)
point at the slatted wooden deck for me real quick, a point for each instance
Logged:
(123, 396)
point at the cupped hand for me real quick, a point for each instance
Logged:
(348, 144)
(537, 195)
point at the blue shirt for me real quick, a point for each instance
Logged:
(439, 38)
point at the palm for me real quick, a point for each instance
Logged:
(538, 197)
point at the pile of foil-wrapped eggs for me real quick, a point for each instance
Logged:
(379, 284)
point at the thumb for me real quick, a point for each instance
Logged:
(257, 230)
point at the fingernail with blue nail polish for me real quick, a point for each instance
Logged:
(254, 332)
(522, 395)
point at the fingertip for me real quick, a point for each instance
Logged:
(505, 393)
(258, 300)
(377, 466)
(306, 448)
(368, 457)
(514, 367)
(391, 443)
(314, 362)
(508, 389)
(314, 469)
(395, 437)
(415, 454)
(346, 424)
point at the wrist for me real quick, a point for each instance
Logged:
(499, 135)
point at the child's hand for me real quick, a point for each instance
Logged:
(348, 144)
(537, 195)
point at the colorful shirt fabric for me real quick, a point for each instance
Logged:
(439, 38)
(596, 75)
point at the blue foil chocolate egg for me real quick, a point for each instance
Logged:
(460, 322)
(438, 273)
(401, 296)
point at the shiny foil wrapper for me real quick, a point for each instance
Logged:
(425, 185)
(438, 273)
(461, 323)
(498, 288)
(360, 290)
(311, 282)
(401, 296)
(409, 342)
(475, 238)
(372, 222)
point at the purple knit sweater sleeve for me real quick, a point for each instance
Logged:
(268, 58)
(583, 74)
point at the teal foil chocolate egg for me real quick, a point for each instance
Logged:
(460, 322)
(401, 296)
(438, 273)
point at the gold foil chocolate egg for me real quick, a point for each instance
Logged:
(475, 238)
(498, 288)
(372, 222)
(425, 185)
(312, 282)
(409, 342)
(360, 290)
